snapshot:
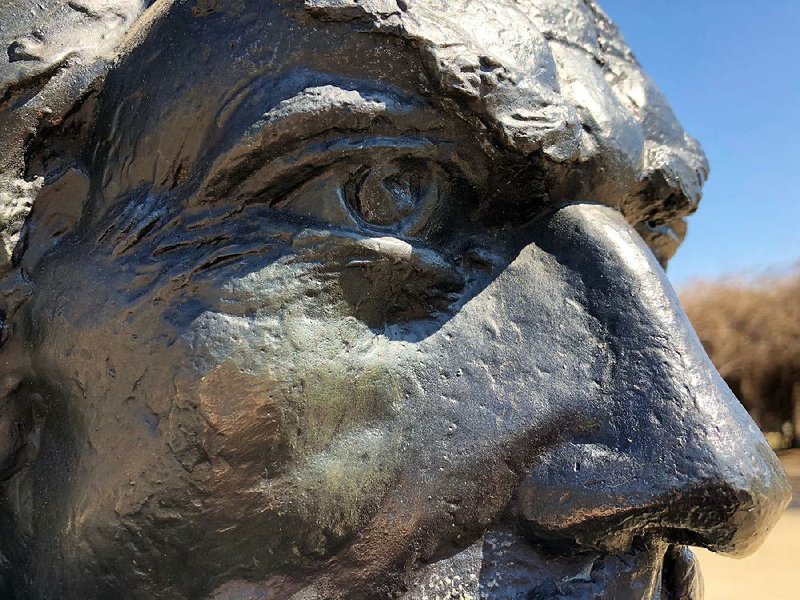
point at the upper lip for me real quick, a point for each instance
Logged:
(649, 570)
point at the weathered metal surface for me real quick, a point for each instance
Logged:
(351, 299)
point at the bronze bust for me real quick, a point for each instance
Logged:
(334, 299)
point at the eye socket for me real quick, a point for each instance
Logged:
(401, 195)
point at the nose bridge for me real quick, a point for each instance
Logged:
(679, 456)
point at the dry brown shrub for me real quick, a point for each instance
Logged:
(750, 327)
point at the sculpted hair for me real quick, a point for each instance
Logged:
(572, 101)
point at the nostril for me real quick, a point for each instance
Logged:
(591, 496)
(701, 517)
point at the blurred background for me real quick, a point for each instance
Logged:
(731, 70)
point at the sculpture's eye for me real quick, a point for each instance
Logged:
(395, 196)
(404, 196)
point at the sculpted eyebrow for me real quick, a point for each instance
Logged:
(313, 112)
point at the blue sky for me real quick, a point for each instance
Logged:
(731, 69)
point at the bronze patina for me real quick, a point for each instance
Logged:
(352, 299)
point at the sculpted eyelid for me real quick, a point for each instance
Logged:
(312, 113)
(317, 157)
(283, 171)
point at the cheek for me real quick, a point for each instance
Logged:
(256, 391)
(293, 377)
(300, 403)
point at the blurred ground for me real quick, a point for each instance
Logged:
(773, 572)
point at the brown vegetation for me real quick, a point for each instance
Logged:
(750, 328)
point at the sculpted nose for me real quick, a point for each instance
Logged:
(671, 452)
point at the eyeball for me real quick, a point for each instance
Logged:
(399, 196)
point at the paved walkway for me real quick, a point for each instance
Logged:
(773, 572)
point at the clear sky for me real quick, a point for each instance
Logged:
(731, 70)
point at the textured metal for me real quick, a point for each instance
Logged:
(352, 299)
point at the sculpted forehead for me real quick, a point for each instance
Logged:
(258, 67)
(553, 78)
(553, 81)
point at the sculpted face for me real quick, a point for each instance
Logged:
(355, 303)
